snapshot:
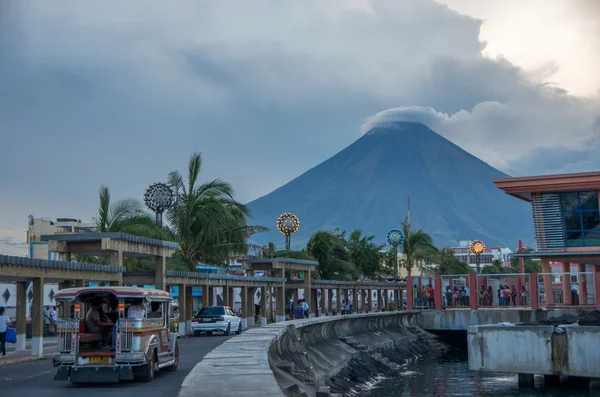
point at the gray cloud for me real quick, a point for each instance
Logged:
(121, 93)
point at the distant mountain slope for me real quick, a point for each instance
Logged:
(366, 185)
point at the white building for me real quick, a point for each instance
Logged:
(503, 254)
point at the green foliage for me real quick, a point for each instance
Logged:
(417, 248)
(210, 225)
(329, 249)
(450, 264)
(497, 267)
(365, 255)
(530, 265)
(303, 255)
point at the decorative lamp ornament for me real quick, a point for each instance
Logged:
(395, 237)
(288, 224)
(477, 247)
(159, 197)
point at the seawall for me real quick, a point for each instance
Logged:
(311, 357)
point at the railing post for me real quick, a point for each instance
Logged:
(437, 292)
(409, 293)
(473, 291)
(533, 291)
(597, 286)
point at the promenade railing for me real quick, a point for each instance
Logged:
(503, 290)
(567, 289)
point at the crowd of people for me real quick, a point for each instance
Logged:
(424, 296)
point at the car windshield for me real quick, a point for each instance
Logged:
(211, 311)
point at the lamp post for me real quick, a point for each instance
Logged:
(159, 197)
(395, 237)
(288, 224)
(477, 247)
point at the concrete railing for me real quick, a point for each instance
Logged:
(295, 357)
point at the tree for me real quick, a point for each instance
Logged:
(365, 254)
(210, 225)
(530, 265)
(497, 267)
(417, 248)
(329, 249)
(126, 216)
(448, 263)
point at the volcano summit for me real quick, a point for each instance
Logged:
(366, 186)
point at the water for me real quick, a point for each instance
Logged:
(449, 375)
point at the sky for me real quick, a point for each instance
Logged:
(122, 93)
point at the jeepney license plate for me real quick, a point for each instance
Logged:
(98, 360)
(207, 320)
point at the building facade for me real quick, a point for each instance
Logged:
(41, 226)
(566, 218)
(491, 254)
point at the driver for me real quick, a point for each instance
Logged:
(94, 323)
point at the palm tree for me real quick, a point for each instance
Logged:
(417, 248)
(497, 267)
(209, 224)
(127, 216)
(365, 254)
(450, 264)
(329, 249)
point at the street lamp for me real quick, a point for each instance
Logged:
(477, 247)
(395, 237)
(288, 224)
(159, 197)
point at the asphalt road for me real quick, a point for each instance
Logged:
(35, 378)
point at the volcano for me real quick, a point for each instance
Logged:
(366, 186)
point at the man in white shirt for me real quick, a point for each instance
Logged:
(467, 295)
(136, 310)
(4, 324)
(305, 307)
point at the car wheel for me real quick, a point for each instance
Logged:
(197, 333)
(239, 330)
(173, 367)
(147, 370)
(228, 330)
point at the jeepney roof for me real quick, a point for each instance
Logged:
(119, 292)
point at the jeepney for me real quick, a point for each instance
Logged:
(135, 336)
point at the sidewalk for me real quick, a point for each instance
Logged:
(15, 357)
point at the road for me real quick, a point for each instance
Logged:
(35, 378)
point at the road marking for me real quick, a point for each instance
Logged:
(30, 376)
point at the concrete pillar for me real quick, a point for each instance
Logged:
(231, 297)
(37, 318)
(473, 301)
(410, 300)
(189, 309)
(330, 302)
(280, 304)
(370, 300)
(526, 380)
(211, 296)
(323, 301)
(80, 283)
(566, 269)
(263, 306)
(159, 272)
(386, 299)
(547, 277)
(181, 299)
(312, 307)
(21, 312)
(205, 296)
(582, 279)
(313, 310)
(533, 291)
(116, 258)
(338, 301)
(225, 295)
(249, 307)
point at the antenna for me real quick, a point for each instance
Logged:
(408, 214)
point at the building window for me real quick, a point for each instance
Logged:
(581, 218)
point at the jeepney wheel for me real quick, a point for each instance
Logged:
(147, 370)
(228, 330)
(173, 367)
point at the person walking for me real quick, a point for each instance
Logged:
(4, 324)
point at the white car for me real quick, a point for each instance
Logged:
(216, 319)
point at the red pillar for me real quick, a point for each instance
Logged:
(473, 291)
(437, 293)
(533, 292)
(409, 293)
(597, 285)
(566, 269)
(582, 279)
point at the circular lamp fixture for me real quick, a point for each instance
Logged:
(159, 197)
(288, 224)
(477, 247)
(395, 237)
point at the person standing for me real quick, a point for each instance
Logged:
(299, 311)
(4, 324)
(305, 307)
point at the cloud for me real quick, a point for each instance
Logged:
(121, 93)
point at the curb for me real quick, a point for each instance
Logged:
(5, 362)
